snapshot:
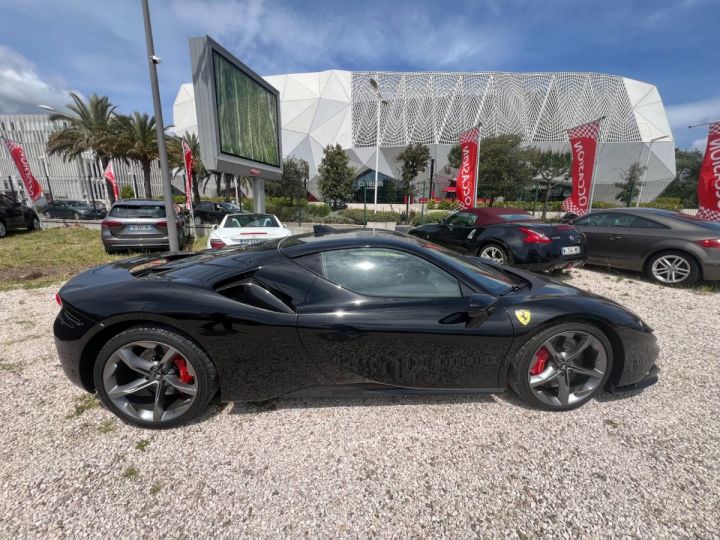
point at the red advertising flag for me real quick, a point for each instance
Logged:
(465, 182)
(109, 175)
(32, 186)
(187, 154)
(583, 143)
(709, 182)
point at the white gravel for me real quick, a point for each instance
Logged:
(645, 465)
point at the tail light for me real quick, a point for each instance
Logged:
(162, 224)
(216, 243)
(58, 299)
(534, 237)
(709, 243)
(110, 223)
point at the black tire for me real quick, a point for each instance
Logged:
(496, 248)
(519, 378)
(3, 229)
(688, 263)
(205, 373)
(34, 224)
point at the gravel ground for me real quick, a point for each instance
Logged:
(643, 464)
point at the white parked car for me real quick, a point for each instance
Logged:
(242, 229)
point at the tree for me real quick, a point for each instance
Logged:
(550, 166)
(684, 186)
(136, 140)
(293, 182)
(86, 127)
(335, 174)
(176, 157)
(504, 167)
(413, 160)
(454, 158)
(630, 185)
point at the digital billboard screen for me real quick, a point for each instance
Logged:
(247, 114)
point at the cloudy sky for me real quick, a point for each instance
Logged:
(49, 47)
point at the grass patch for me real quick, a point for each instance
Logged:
(83, 403)
(108, 425)
(130, 473)
(142, 444)
(49, 256)
(155, 488)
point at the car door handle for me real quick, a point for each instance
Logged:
(615, 237)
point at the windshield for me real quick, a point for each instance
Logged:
(235, 221)
(137, 211)
(229, 207)
(77, 203)
(517, 217)
(492, 279)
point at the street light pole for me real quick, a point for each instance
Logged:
(160, 129)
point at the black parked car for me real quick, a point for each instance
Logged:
(14, 215)
(66, 209)
(356, 312)
(509, 236)
(672, 248)
(210, 212)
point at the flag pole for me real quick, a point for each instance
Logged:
(701, 125)
(477, 166)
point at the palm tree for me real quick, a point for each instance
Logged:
(177, 159)
(86, 127)
(135, 139)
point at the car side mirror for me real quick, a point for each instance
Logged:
(480, 307)
(215, 226)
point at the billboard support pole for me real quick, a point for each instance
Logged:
(160, 129)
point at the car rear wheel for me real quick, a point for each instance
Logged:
(76, 215)
(3, 230)
(562, 367)
(673, 268)
(34, 224)
(494, 252)
(198, 221)
(154, 378)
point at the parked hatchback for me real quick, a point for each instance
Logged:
(67, 209)
(212, 212)
(139, 224)
(672, 248)
(14, 215)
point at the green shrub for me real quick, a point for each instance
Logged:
(334, 218)
(666, 203)
(357, 215)
(431, 217)
(127, 192)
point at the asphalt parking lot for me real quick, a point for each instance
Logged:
(637, 464)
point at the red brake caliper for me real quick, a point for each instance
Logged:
(183, 373)
(541, 360)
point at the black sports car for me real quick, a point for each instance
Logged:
(351, 312)
(509, 236)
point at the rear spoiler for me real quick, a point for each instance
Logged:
(322, 230)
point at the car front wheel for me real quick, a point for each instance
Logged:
(3, 230)
(154, 378)
(673, 268)
(562, 367)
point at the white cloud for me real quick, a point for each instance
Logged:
(281, 38)
(683, 115)
(22, 89)
(699, 144)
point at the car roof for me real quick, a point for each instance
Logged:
(140, 202)
(491, 214)
(302, 244)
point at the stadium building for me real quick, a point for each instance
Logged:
(341, 107)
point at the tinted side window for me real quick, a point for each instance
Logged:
(462, 218)
(386, 272)
(4, 201)
(604, 220)
(642, 223)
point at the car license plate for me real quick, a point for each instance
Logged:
(140, 227)
(571, 250)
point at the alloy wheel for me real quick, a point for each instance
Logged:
(35, 224)
(493, 253)
(567, 368)
(670, 269)
(3, 230)
(198, 221)
(150, 381)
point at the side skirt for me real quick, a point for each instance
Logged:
(375, 390)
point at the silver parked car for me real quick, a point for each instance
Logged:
(139, 224)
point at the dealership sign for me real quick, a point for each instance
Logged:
(709, 182)
(467, 175)
(583, 144)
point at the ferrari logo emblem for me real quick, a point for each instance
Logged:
(523, 315)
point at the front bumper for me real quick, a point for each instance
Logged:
(641, 351)
(650, 378)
